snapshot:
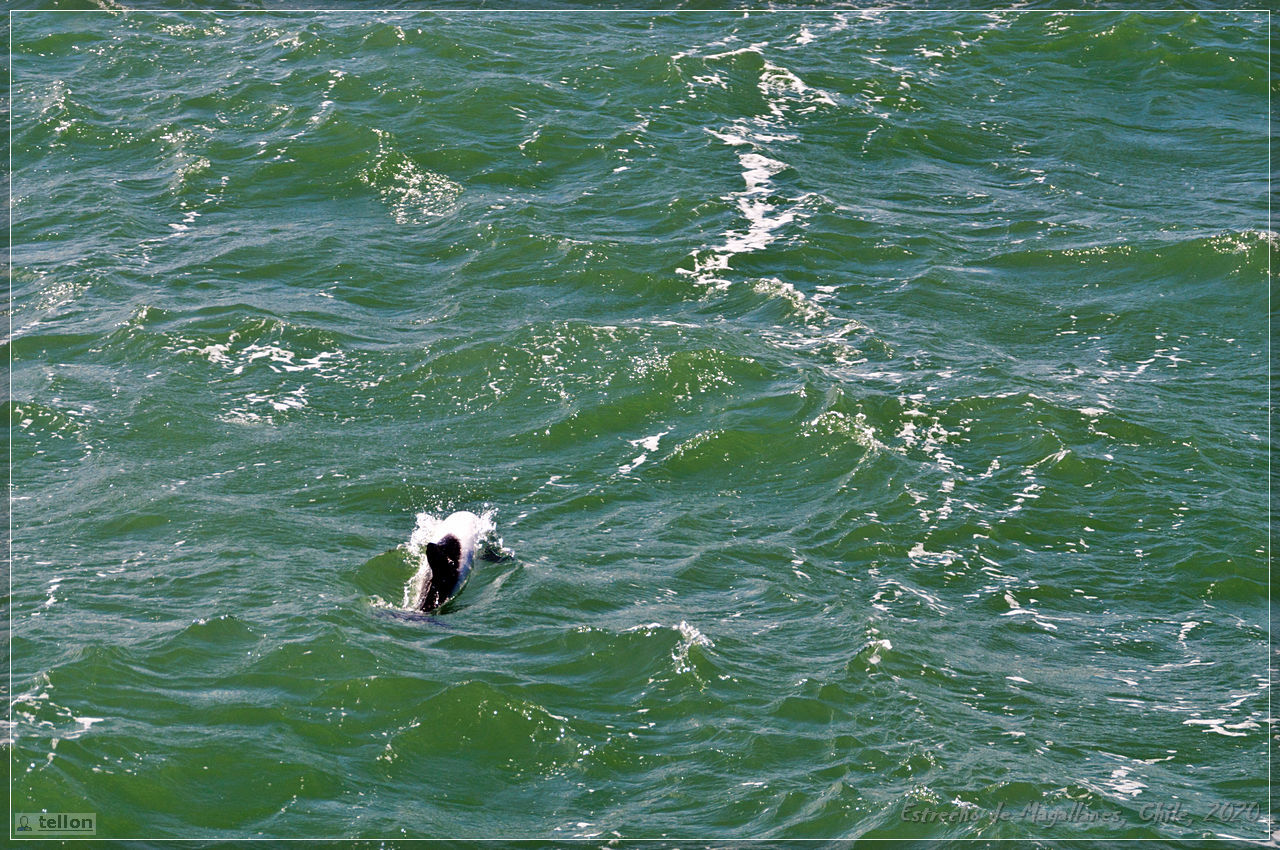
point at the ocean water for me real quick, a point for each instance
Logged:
(871, 410)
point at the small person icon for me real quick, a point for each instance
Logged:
(24, 824)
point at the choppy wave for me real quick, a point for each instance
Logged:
(874, 405)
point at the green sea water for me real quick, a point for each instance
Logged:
(871, 409)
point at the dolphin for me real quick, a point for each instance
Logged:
(448, 560)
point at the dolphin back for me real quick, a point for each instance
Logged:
(450, 558)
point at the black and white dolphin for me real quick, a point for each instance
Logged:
(446, 560)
